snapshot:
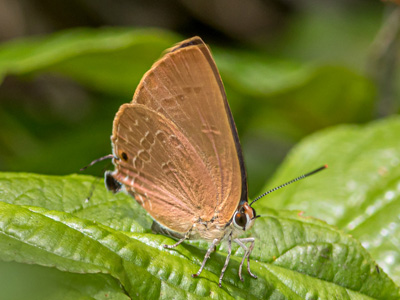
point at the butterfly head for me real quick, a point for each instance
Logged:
(244, 216)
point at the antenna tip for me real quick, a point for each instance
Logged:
(326, 166)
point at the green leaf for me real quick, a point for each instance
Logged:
(359, 192)
(45, 220)
(23, 281)
(111, 60)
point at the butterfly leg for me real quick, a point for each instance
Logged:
(227, 259)
(186, 236)
(247, 252)
(176, 244)
(207, 256)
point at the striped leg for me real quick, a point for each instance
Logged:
(187, 235)
(247, 252)
(227, 259)
(207, 256)
(176, 244)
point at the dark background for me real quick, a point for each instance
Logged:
(290, 68)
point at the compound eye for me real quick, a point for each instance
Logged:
(240, 220)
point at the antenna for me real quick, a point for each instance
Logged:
(109, 156)
(96, 181)
(289, 182)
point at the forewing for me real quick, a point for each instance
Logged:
(161, 168)
(185, 87)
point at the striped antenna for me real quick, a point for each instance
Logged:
(109, 156)
(96, 181)
(289, 182)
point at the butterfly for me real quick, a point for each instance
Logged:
(176, 150)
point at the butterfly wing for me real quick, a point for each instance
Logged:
(198, 171)
(185, 86)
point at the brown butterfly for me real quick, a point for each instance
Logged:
(176, 151)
